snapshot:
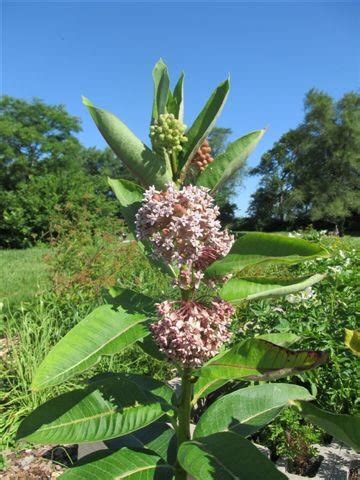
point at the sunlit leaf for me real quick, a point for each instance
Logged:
(110, 407)
(263, 248)
(247, 410)
(227, 163)
(148, 168)
(238, 290)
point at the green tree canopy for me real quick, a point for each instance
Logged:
(312, 173)
(35, 138)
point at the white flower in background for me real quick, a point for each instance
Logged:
(336, 269)
(303, 296)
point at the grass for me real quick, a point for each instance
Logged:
(23, 273)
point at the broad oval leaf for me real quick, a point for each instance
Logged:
(261, 248)
(203, 124)
(257, 359)
(345, 428)
(126, 463)
(238, 290)
(227, 163)
(247, 410)
(284, 339)
(226, 456)
(148, 168)
(109, 407)
(105, 331)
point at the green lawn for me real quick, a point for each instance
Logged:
(22, 273)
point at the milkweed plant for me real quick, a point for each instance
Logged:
(171, 212)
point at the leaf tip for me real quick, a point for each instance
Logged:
(86, 101)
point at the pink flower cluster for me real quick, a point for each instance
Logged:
(191, 333)
(183, 227)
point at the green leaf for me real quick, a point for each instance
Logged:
(261, 248)
(226, 456)
(161, 89)
(238, 290)
(345, 428)
(227, 163)
(247, 410)
(178, 97)
(352, 340)
(105, 331)
(204, 123)
(282, 339)
(124, 463)
(257, 359)
(205, 385)
(140, 160)
(109, 407)
(130, 196)
(158, 437)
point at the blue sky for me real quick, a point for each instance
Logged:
(274, 52)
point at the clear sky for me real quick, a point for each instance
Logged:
(274, 52)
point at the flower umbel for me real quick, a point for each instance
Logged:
(183, 226)
(189, 332)
(168, 133)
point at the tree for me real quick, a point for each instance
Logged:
(35, 138)
(43, 167)
(312, 173)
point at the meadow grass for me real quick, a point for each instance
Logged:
(22, 274)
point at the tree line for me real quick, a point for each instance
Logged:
(311, 174)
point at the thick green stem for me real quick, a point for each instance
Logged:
(184, 411)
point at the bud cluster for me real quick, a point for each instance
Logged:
(203, 157)
(183, 226)
(168, 133)
(191, 333)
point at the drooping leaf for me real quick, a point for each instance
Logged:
(247, 410)
(148, 168)
(105, 331)
(159, 437)
(238, 290)
(226, 456)
(130, 196)
(109, 407)
(203, 124)
(126, 463)
(263, 248)
(161, 89)
(345, 428)
(257, 359)
(227, 163)
(352, 340)
(282, 339)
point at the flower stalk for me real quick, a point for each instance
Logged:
(184, 415)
